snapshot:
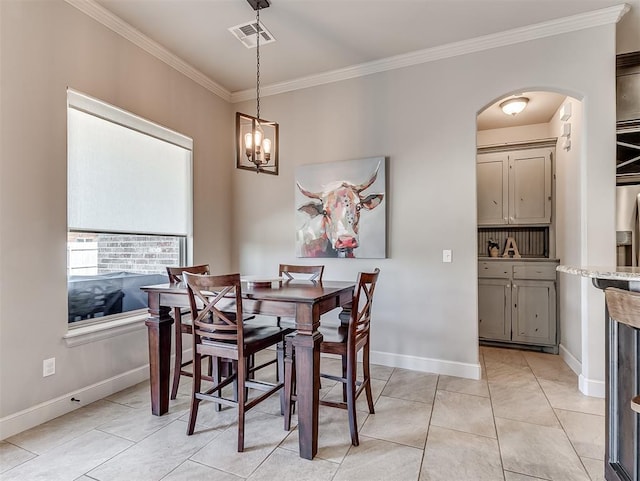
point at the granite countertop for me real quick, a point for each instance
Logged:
(607, 272)
(512, 259)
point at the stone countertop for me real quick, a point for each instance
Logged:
(614, 273)
(512, 259)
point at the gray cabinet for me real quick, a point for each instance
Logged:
(514, 187)
(494, 309)
(517, 302)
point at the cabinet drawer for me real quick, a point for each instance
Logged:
(535, 271)
(494, 270)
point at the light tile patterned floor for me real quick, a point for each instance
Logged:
(525, 420)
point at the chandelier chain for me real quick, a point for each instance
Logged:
(258, 63)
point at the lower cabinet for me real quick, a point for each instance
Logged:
(517, 302)
(494, 309)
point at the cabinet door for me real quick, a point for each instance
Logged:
(493, 188)
(534, 312)
(530, 186)
(494, 309)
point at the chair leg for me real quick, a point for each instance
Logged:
(367, 378)
(351, 399)
(289, 381)
(344, 375)
(215, 363)
(234, 369)
(178, 363)
(280, 356)
(197, 382)
(241, 376)
(210, 371)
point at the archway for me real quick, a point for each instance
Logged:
(521, 301)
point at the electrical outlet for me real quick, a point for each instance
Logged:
(48, 367)
(446, 255)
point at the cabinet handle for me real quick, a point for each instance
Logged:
(511, 219)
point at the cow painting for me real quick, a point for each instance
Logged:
(332, 215)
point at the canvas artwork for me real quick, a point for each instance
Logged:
(341, 209)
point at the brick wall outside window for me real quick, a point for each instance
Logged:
(137, 253)
(92, 253)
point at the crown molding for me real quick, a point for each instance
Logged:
(550, 28)
(119, 26)
(558, 26)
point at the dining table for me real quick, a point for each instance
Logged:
(304, 301)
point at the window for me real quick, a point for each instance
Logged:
(129, 208)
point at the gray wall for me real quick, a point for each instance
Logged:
(45, 47)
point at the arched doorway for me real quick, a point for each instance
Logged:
(529, 194)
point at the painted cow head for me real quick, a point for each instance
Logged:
(335, 214)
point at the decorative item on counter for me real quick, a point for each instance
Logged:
(494, 248)
(511, 249)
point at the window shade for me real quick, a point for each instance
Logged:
(122, 179)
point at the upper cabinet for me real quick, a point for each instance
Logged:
(514, 186)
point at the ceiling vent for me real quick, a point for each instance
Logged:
(246, 33)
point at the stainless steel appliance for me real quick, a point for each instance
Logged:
(627, 235)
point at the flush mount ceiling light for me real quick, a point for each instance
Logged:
(256, 138)
(514, 106)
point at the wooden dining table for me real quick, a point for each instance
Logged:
(304, 301)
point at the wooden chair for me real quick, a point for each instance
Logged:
(295, 272)
(292, 272)
(346, 341)
(175, 276)
(309, 273)
(219, 331)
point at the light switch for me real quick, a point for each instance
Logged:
(446, 255)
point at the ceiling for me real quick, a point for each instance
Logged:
(322, 36)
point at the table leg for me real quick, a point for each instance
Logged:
(159, 331)
(307, 349)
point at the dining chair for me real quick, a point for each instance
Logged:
(345, 340)
(219, 331)
(175, 276)
(309, 273)
(289, 273)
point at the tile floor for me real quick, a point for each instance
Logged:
(525, 420)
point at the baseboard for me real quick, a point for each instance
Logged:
(590, 387)
(48, 410)
(571, 360)
(425, 364)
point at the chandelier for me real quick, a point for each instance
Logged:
(257, 138)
